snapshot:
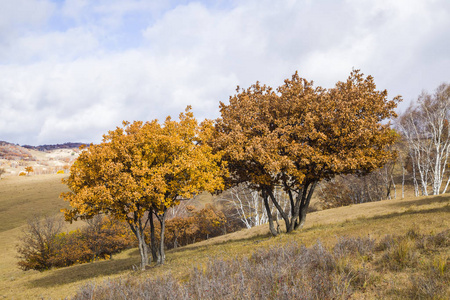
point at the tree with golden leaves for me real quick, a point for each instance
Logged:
(29, 169)
(141, 170)
(300, 134)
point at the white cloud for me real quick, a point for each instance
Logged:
(23, 14)
(77, 69)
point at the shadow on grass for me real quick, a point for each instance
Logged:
(367, 220)
(424, 201)
(192, 247)
(409, 212)
(85, 271)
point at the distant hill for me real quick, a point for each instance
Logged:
(55, 146)
(11, 151)
(44, 159)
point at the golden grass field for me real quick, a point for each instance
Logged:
(21, 197)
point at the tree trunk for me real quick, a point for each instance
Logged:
(273, 231)
(296, 209)
(395, 188)
(138, 231)
(446, 186)
(403, 181)
(153, 243)
(175, 242)
(304, 207)
(279, 208)
(162, 221)
(416, 185)
(143, 251)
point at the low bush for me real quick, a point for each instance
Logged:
(433, 282)
(405, 251)
(39, 243)
(294, 271)
(362, 246)
(197, 226)
(434, 241)
(400, 255)
(45, 246)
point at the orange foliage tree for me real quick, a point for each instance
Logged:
(300, 134)
(140, 171)
(196, 226)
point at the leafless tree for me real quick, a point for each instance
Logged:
(426, 129)
(247, 205)
(38, 242)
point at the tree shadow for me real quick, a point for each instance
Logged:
(407, 212)
(424, 201)
(201, 247)
(86, 271)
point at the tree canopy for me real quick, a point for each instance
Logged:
(143, 169)
(300, 134)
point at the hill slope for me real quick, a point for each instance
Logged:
(431, 214)
(24, 196)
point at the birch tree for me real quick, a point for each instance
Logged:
(247, 205)
(426, 129)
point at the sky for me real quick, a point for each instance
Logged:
(70, 70)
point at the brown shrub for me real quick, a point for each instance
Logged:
(44, 245)
(286, 272)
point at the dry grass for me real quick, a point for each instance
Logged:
(24, 196)
(20, 199)
(375, 219)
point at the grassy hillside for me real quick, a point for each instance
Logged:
(377, 219)
(24, 196)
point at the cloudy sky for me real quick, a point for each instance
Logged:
(70, 70)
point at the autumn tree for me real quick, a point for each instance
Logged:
(105, 179)
(44, 244)
(300, 134)
(209, 221)
(182, 165)
(141, 170)
(105, 236)
(29, 169)
(196, 226)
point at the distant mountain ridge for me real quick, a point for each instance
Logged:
(12, 151)
(44, 159)
(55, 146)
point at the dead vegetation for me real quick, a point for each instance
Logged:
(293, 271)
